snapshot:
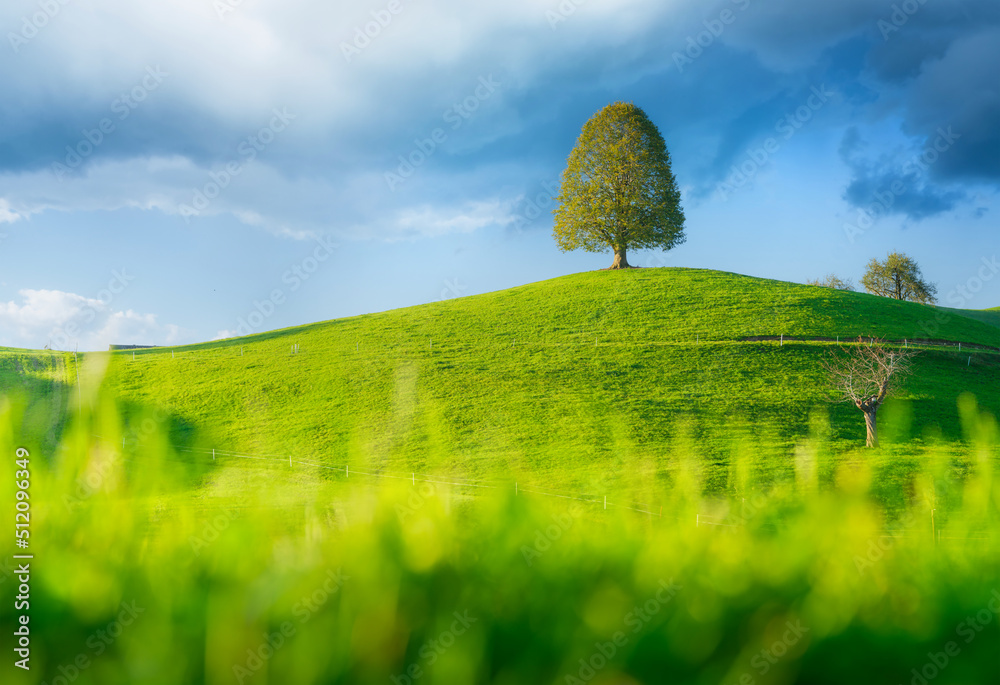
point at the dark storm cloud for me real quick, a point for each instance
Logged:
(929, 65)
(361, 116)
(897, 190)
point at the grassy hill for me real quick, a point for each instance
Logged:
(582, 377)
(716, 534)
(990, 316)
(41, 380)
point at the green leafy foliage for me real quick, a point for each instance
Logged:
(898, 277)
(618, 191)
(152, 566)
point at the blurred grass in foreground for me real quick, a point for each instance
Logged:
(154, 566)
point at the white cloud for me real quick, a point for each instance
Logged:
(429, 220)
(67, 320)
(7, 216)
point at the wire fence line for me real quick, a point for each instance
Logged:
(411, 346)
(414, 477)
(706, 521)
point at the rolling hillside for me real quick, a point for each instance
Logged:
(990, 316)
(593, 372)
(42, 381)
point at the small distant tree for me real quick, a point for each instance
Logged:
(617, 190)
(833, 281)
(898, 277)
(866, 374)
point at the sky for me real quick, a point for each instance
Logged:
(186, 171)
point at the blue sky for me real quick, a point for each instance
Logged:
(178, 172)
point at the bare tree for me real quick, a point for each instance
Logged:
(866, 374)
(832, 281)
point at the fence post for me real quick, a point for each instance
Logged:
(347, 471)
(213, 454)
(782, 340)
(605, 501)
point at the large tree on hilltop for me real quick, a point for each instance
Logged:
(898, 277)
(618, 191)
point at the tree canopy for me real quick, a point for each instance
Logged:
(617, 191)
(898, 277)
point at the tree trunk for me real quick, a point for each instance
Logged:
(872, 440)
(620, 261)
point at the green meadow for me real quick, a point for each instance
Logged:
(611, 477)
